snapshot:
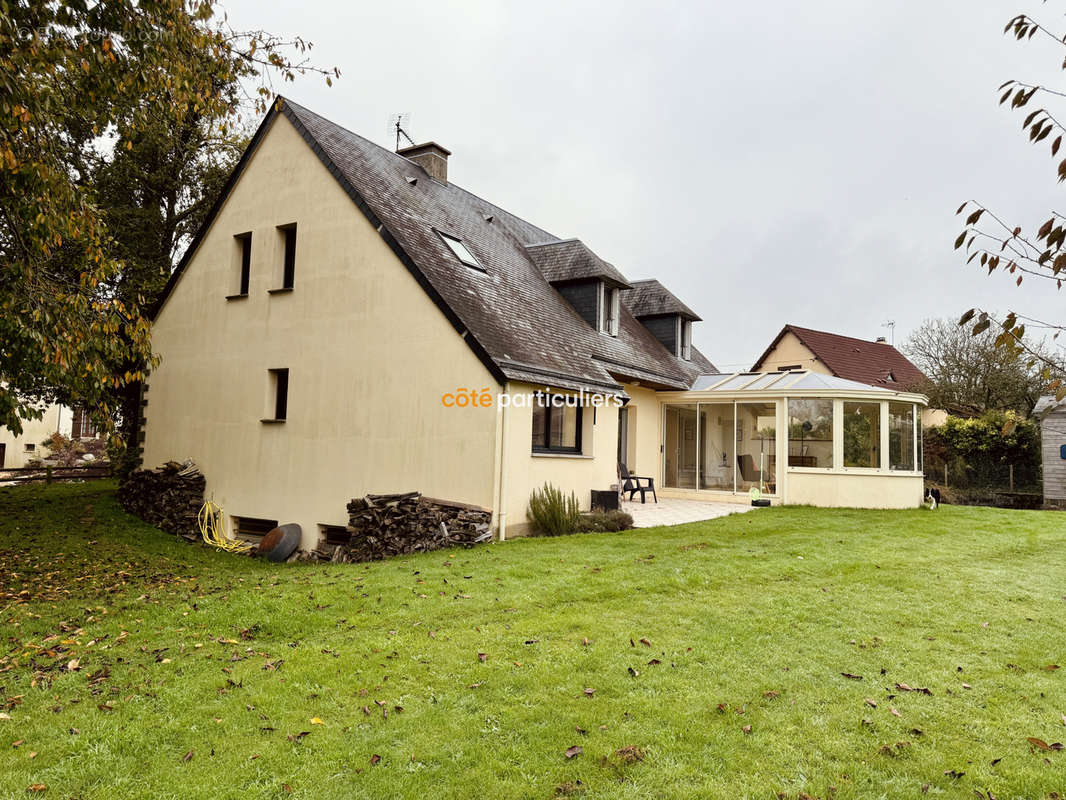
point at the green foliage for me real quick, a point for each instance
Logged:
(980, 450)
(82, 82)
(599, 521)
(552, 513)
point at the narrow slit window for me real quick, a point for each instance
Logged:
(244, 263)
(461, 251)
(611, 310)
(278, 395)
(288, 265)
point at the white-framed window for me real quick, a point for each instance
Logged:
(685, 339)
(610, 308)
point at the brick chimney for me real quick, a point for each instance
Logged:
(431, 157)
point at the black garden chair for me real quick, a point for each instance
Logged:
(632, 484)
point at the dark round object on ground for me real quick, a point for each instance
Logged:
(281, 542)
(762, 502)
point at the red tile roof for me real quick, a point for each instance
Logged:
(872, 363)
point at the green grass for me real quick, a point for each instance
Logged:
(753, 618)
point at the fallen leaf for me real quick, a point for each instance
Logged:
(17, 742)
(954, 773)
(633, 672)
(581, 730)
(295, 737)
(894, 712)
(746, 729)
(1038, 743)
(870, 702)
(187, 757)
(316, 721)
(966, 686)
(576, 750)
(73, 664)
(589, 692)
(37, 787)
(654, 662)
(585, 642)
(630, 754)
(771, 694)
(645, 642)
(851, 676)
(374, 759)
(481, 657)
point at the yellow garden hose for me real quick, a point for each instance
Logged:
(210, 521)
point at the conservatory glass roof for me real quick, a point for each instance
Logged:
(805, 380)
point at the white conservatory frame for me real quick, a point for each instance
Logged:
(836, 485)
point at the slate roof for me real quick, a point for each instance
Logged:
(571, 259)
(650, 298)
(511, 317)
(872, 363)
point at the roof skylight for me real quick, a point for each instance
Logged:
(461, 251)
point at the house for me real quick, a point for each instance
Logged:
(874, 363)
(350, 321)
(18, 451)
(1051, 413)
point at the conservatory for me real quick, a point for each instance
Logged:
(796, 437)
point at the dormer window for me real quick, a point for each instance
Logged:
(461, 251)
(610, 302)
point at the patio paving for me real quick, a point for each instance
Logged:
(671, 511)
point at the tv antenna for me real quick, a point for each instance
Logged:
(891, 325)
(398, 125)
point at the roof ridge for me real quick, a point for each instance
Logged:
(384, 149)
(837, 335)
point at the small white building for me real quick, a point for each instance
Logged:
(17, 451)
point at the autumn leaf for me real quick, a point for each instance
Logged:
(374, 759)
(37, 787)
(576, 750)
(317, 721)
(187, 757)
(851, 676)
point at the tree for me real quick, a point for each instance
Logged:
(999, 245)
(80, 83)
(969, 374)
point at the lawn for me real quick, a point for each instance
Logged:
(837, 653)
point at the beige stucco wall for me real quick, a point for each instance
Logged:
(369, 356)
(524, 470)
(789, 352)
(34, 431)
(645, 432)
(855, 490)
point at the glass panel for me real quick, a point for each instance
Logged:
(810, 433)
(921, 442)
(540, 425)
(862, 434)
(563, 431)
(679, 446)
(737, 381)
(901, 436)
(756, 446)
(716, 446)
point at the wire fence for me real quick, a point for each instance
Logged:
(1012, 485)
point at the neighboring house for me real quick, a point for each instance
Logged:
(1052, 416)
(349, 321)
(17, 451)
(874, 363)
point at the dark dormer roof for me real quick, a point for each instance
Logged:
(650, 298)
(510, 316)
(873, 363)
(571, 260)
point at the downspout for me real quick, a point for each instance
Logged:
(501, 502)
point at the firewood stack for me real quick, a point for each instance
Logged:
(169, 497)
(385, 525)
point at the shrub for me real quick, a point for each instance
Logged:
(600, 521)
(552, 513)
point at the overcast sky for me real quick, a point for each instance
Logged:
(769, 162)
